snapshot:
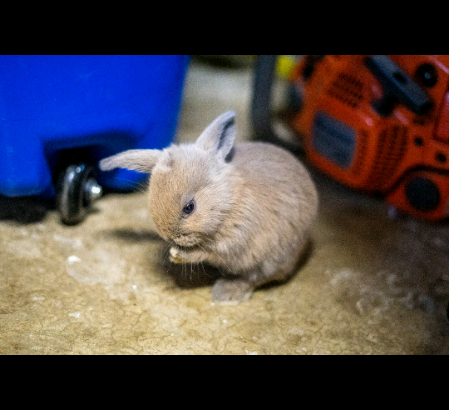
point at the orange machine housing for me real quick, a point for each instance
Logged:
(379, 124)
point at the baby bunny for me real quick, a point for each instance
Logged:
(245, 209)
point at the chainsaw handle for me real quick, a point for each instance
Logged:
(261, 117)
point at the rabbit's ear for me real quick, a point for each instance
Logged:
(219, 136)
(142, 160)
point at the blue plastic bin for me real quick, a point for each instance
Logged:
(53, 106)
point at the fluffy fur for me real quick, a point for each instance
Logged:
(253, 205)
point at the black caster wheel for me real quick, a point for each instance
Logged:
(77, 189)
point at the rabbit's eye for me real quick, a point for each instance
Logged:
(189, 207)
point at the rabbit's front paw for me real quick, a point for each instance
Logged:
(175, 256)
(231, 291)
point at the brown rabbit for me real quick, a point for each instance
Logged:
(245, 209)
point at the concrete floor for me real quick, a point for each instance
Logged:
(373, 284)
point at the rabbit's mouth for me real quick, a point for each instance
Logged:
(187, 241)
(187, 248)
